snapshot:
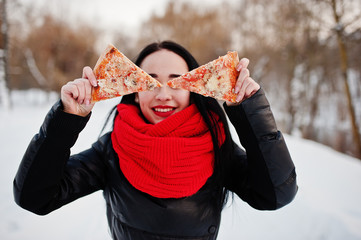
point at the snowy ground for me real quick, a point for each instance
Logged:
(327, 206)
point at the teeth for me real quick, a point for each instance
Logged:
(163, 109)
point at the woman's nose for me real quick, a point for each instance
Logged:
(164, 93)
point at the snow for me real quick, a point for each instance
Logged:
(327, 205)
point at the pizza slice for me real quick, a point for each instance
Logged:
(117, 76)
(215, 79)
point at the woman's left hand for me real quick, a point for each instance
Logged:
(245, 85)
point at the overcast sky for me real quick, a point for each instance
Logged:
(111, 13)
(110, 16)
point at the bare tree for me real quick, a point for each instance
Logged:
(52, 53)
(4, 78)
(205, 33)
(34, 70)
(339, 29)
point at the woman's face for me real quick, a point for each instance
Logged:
(161, 103)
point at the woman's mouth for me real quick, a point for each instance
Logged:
(163, 111)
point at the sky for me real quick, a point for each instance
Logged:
(109, 16)
(101, 12)
(112, 13)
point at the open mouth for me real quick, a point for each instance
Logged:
(163, 111)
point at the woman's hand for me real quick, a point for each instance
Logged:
(245, 85)
(76, 95)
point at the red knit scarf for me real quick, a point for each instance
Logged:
(170, 159)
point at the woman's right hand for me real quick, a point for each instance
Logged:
(76, 95)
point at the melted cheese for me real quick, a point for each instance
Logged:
(212, 83)
(217, 85)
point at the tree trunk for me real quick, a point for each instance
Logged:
(344, 66)
(34, 70)
(4, 78)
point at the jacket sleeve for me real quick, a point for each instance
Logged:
(48, 177)
(264, 175)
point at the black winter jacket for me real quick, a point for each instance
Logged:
(48, 177)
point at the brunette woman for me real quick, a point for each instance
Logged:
(169, 163)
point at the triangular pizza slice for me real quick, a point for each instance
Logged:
(215, 79)
(117, 76)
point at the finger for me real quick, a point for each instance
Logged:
(88, 91)
(80, 84)
(242, 93)
(251, 88)
(89, 74)
(243, 74)
(243, 63)
(70, 89)
(241, 78)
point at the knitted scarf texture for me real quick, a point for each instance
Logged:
(170, 159)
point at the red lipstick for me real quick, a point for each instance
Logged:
(163, 111)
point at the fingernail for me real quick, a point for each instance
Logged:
(236, 90)
(238, 99)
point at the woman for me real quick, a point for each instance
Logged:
(166, 167)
